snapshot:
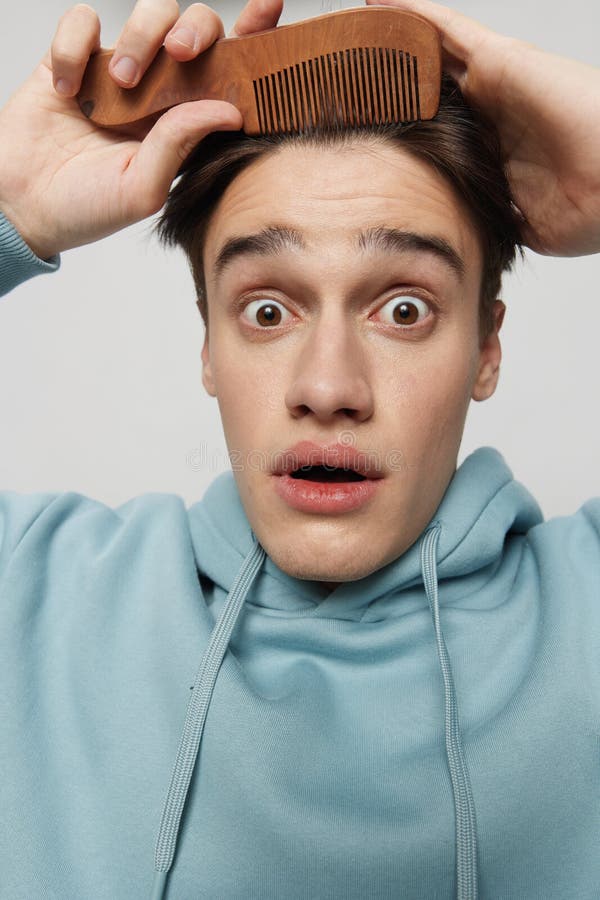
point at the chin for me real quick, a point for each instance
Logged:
(322, 565)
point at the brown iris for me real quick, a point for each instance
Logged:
(406, 313)
(268, 315)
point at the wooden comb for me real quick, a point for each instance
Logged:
(355, 67)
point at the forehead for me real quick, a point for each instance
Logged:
(330, 194)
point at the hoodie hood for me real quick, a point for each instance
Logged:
(480, 507)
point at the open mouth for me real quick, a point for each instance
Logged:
(326, 473)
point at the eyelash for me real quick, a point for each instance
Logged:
(406, 298)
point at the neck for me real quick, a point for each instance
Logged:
(330, 585)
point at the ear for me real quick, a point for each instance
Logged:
(207, 376)
(490, 356)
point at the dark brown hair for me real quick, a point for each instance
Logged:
(459, 143)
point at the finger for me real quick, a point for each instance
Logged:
(257, 15)
(138, 43)
(195, 31)
(167, 145)
(77, 37)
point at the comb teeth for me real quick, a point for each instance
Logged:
(360, 86)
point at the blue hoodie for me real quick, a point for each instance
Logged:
(180, 719)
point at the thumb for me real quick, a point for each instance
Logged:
(169, 142)
(461, 36)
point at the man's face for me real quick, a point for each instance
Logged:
(343, 289)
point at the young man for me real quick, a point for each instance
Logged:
(318, 750)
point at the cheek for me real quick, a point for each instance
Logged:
(248, 396)
(426, 398)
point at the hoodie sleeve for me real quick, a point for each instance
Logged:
(17, 261)
(567, 552)
(17, 264)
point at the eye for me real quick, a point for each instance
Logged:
(405, 310)
(264, 312)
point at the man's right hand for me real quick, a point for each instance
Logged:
(65, 182)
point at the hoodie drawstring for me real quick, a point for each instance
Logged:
(466, 840)
(196, 716)
(466, 837)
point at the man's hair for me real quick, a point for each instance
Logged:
(458, 142)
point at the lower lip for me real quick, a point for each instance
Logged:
(326, 497)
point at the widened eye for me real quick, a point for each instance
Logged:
(264, 312)
(405, 310)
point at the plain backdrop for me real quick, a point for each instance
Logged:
(100, 363)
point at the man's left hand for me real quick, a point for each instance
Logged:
(547, 112)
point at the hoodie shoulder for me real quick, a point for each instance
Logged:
(578, 533)
(64, 528)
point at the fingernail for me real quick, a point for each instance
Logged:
(63, 86)
(187, 37)
(126, 70)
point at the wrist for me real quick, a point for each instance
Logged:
(37, 247)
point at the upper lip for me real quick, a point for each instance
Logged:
(338, 456)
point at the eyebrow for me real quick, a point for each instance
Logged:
(275, 239)
(394, 240)
(268, 242)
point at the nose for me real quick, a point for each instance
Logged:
(330, 377)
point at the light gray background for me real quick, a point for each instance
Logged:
(100, 363)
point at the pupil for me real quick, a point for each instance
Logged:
(407, 313)
(268, 315)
